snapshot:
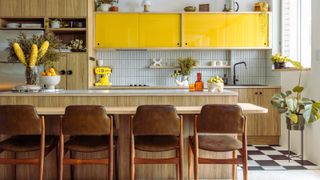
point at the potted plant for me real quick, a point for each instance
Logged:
(185, 65)
(298, 110)
(106, 5)
(33, 52)
(215, 83)
(279, 61)
(76, 46)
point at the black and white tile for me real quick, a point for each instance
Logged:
(275, 158)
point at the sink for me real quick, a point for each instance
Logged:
(246, 85)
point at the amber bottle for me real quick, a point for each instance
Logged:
(199, 84)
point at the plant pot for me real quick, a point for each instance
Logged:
(32, 75)
(183, 82)
(279, 65)
(299, 126)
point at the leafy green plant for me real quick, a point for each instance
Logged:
(186, 65)
(293, 104)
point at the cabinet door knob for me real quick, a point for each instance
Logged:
(69, 72)
(256, 93)
(178, 44)
(62, 72)
(186, 43)
(260, 93)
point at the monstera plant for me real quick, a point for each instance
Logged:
(298, 110)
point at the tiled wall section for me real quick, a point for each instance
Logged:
(132, 67)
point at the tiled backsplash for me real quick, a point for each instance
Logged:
(132, 67)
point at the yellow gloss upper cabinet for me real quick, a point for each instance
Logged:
(159, 30)
(247, 30)
(117, 30)
(204, 30)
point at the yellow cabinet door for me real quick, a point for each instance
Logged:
(117, 30)
(204, 30)
(247, 30)
(159, 30)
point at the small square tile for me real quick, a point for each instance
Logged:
(287, 163)
(294, 167)
(264, 148)
(260, 157)
(278, 157)
(252, 163)
(271, 152)
(274, 168)
(267, 163)
(305, 163)
(251, 148)
(258, 168)
(312, 167)
(286, 152)
(279, 148)
(255, 153)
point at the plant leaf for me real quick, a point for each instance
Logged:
(292, 104)
(293, 117)
(298, 89)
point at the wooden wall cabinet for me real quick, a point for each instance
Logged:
(33, 8)
(159, 30)
(262, 128)
(10, 8)
(67, 8)
(73, 68)
(204, 30)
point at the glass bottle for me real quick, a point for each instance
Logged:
(199, 84)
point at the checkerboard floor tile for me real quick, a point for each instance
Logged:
(275, 158)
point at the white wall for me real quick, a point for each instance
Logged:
(312, 85)
(178, 5)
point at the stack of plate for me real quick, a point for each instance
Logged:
(13, 25)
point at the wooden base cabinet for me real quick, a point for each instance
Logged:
(262, 128)
(73, 70)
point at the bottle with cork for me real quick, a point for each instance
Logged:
(199, 83)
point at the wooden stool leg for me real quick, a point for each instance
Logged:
(116, 162)
(61, 157)
(234, 166)
(177, 165)
(57, 159)
(189, 160)
(71, 166)
(132, 165)
(181, 158)
(196, 163)
(245, 163)
(14, 166)
(42, 149)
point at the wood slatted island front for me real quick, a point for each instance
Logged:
(188, 104)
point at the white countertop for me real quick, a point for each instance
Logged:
(122, 92)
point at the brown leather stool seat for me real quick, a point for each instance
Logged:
(27, 143)
(218, 143)
(87, 143)
(156, 143)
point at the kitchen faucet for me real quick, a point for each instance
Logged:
(234, 71)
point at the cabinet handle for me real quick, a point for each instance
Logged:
(69, 72)
(98, 44)
(260, 93)
(256, 93)
(178, 44)
(62, 72)
(186, 43)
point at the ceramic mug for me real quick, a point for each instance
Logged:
(219, 63)
(213, 63)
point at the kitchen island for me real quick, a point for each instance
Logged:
(122, 104)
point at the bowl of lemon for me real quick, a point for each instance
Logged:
(215, 84)
(49, 78)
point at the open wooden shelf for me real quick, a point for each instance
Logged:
(66, 29)
(290, 70)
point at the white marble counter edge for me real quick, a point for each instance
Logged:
(136, 92)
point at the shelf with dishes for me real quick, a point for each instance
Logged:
(196, 67)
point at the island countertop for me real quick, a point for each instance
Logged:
(123, 92)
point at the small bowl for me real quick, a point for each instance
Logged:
(50, 81)
(190, 9)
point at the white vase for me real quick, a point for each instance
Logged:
(183, 82)
(104, 7)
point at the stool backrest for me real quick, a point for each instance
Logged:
(85, 120)
(221, 119)
(156, 120)
(19, 120)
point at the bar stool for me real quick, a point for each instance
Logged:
(27, 131)
(90, 130)
(220, 120)
(157, 128)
